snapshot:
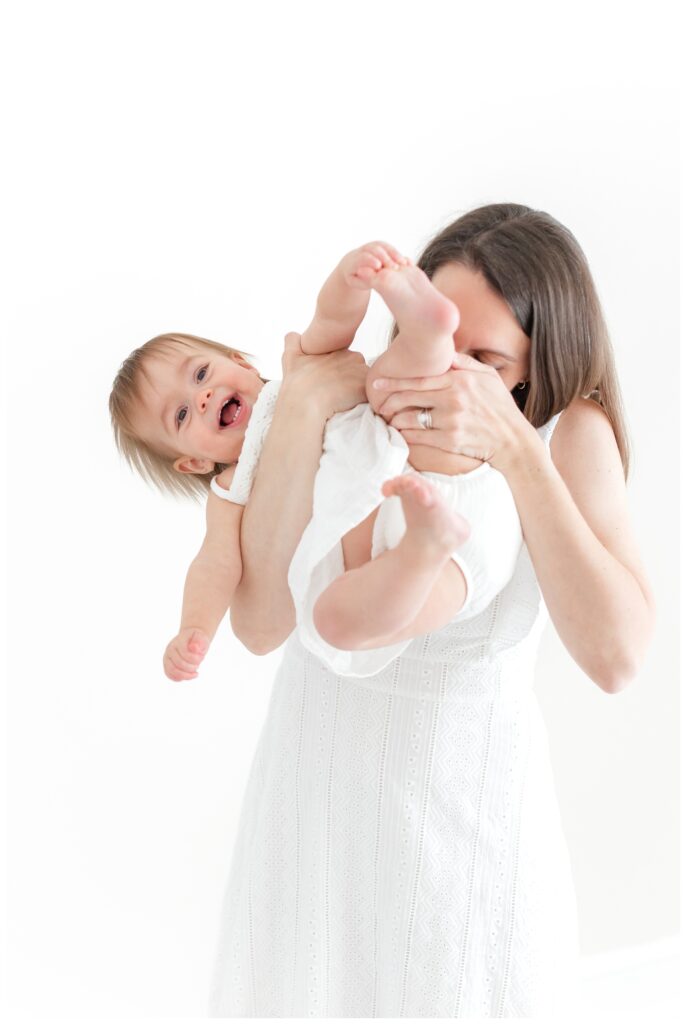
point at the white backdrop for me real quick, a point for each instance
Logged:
(200, 167)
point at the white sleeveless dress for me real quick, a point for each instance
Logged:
(400, 851)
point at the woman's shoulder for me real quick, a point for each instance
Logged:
(582, 415)
(583, 437)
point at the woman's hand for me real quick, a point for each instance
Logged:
(472, 413)
(313, 389)
(333, 382)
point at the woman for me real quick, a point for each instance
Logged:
(400, 850)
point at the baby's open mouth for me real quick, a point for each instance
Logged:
(229, 411)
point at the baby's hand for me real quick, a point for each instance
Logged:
(361, 265)
(184, 653)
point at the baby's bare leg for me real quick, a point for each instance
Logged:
(427, 321)
(344, 297)
(390, 597)
(423, 347)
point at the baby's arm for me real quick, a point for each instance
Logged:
(343, 300)
(211, 582)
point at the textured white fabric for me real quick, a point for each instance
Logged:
(260, 417)
(220, 491)
(360, 452)
(399, 851)
(488, 556)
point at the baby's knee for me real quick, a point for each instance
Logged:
(323, 619)
(330, 623)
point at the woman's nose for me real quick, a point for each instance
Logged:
(203, 399)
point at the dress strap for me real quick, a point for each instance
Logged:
(219, 491)
(546, 431)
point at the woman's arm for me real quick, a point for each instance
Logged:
(280, 506)
(574, 512)
(572, 504)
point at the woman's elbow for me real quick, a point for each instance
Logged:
(255, 641)
(259, 645)
(620, 660)
(615, 675)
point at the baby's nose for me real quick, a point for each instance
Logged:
(204, 399)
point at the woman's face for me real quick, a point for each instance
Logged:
(196, 406)
(488, 330)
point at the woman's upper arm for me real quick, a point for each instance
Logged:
(584, 451)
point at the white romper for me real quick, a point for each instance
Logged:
(360, 451)
(399, 851)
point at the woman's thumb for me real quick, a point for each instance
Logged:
(292, 341)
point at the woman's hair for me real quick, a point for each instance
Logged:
(539, 269)
(155, 465)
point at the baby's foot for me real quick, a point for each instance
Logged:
(361, 266)
(427, 516)
(416, 304)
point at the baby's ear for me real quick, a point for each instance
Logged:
(242, 361)
(186, 464)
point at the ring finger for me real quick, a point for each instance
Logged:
(409, 419)
(407, 400)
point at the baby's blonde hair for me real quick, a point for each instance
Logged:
(156, 466)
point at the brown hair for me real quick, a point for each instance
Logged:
(539, 269)
(156, 466)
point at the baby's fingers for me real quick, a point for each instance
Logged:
(177, 674)
(437, 383)
(180, 661)
(186, 660)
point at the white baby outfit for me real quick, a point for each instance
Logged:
(399, 851)
(360, 451)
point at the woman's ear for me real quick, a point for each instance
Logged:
(186, 464)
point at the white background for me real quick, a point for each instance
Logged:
(201, 167)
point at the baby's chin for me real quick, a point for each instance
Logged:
(228, 454)
(236, 435)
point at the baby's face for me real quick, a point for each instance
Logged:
(196, 406)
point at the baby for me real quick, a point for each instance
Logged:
(398, 573)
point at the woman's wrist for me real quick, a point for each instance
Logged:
(522, 454)
(304, 408)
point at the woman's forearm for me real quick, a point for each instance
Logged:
(280, 506)
(601, 611)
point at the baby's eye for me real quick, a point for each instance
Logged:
(202, 370)
(181, 415)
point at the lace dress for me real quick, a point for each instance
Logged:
(399, 851)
